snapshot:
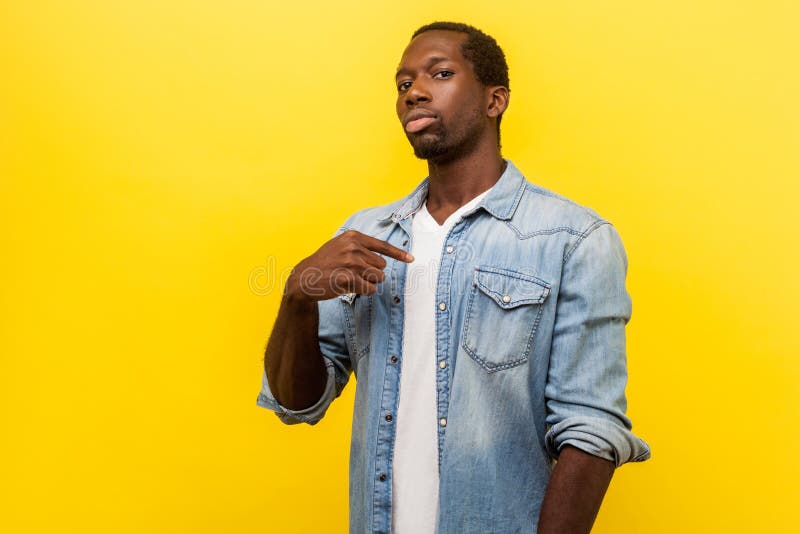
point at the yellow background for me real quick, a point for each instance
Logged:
(164, 163)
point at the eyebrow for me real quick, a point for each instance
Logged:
(431, 61)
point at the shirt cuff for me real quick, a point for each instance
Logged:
(310, 415)
(599, 437)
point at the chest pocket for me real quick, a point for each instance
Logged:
(357, 312)
(502, 316)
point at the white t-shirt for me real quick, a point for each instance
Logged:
(415, 468)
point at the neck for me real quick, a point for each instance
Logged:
(454, 183)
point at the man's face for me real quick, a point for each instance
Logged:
(440, 101)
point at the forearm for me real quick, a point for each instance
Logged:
(575, 492)
(293, 361)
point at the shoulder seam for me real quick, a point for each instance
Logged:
(583, 235)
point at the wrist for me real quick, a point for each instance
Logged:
(295, 296)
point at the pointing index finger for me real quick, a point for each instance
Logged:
(383, 247)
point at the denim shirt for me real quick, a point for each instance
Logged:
(530, 349)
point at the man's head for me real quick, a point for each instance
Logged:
(452, 86)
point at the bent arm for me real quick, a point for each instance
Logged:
(589, 432)
(293, 361)
(307, 362)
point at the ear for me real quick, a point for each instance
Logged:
(497, 99)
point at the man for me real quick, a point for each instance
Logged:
(483, 317)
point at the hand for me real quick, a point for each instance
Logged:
(348, 263)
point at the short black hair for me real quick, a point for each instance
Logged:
(480, 49)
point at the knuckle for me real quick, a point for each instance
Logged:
(354, 261)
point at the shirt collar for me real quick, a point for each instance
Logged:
(501, 201)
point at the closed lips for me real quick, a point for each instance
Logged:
(418, 120)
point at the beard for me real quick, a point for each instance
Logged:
(445, 144)
(431, 146)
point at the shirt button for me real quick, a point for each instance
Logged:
(506, 299)
(405, 242)
(389, 417)
(396, 299)
(442, 422)
(382, 477)
(442, 364)
(450, 250)
(393, 359)
(442, 306)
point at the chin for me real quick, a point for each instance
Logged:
(429, 154)
(431, 149)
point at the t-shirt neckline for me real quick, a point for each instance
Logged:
(431, 224)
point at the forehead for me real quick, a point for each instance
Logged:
(444, 44)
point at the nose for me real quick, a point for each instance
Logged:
(417, 93)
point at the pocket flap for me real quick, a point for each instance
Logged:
(510, 289)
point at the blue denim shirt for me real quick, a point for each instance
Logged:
(530, 343)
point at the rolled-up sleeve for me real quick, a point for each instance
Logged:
(587, 375)
(337, 362)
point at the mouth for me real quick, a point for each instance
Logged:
(418, 125)
(418, 120)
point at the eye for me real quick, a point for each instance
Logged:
(403, 86)
(443, 74)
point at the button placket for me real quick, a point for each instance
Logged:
(381, 503)
(447, 267)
